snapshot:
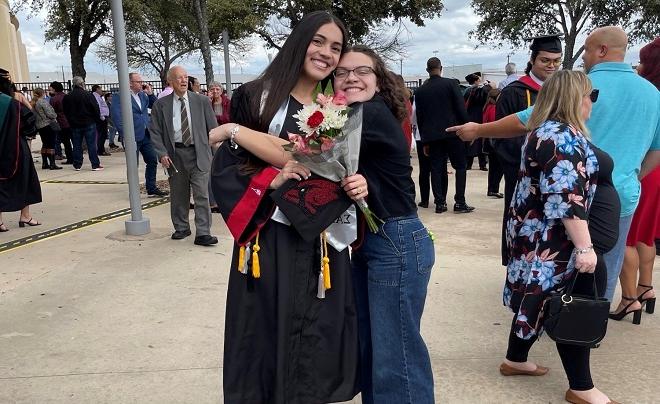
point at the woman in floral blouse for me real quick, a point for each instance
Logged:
(547, 232)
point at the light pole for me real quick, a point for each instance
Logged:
(138, 225)
(401, 67)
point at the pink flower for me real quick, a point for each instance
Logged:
(299, 143)
(326, 144)
(339, 98)
(315, 119)
(322, 99)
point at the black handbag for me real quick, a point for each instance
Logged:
(576, 319)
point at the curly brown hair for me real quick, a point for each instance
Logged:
(389, 89)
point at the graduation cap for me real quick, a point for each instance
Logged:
(548, 43)
(473, 77)
(311, 205)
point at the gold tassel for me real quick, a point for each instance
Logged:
(256, 269)
(241, 258)
(326, 262)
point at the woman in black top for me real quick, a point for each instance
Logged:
(283, 344)
(391, 269)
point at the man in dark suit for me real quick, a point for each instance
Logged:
(82, 113)
(440, 105)
(180, 128)
(140, 109)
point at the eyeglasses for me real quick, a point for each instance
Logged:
(549, 62)
(360, 71)
(593, 95)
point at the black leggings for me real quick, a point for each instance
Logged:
(574, 358)
(47, 138)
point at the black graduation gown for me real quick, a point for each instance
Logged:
(282, 343)
(515, 97)
(475, 99)
(19, 183)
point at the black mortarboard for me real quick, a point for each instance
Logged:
(312, 204)
(548, 43)
(473, 77)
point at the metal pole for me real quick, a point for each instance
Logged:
(225, 43)
(138, 224)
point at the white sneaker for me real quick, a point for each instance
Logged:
(77, 169)
(99, 168)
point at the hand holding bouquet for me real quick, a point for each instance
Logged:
(330, 141)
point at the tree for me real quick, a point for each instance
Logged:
(512, 20)
(157, 34)
(74, 23)
(361, 17)
(204, 40)
(160, 32)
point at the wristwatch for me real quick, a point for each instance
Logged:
(232, 134)
(579, 251)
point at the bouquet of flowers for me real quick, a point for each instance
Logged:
(330, 143)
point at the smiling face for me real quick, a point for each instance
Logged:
(545, 64)
(356, 77)
(323, 52)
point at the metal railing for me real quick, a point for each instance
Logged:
(107, 87)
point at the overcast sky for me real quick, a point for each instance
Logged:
(445, 37)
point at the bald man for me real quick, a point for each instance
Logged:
(625, 123)
(180, 125)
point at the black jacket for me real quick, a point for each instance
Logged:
(512, 99)
(81, 108)
(439, 105)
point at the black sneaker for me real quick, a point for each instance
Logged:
(462, 208)
(180, 234)
(497, 195)
(206, 240)
(440, 208)
(423, 204)
(157, 193)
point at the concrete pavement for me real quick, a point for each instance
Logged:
(87, 318)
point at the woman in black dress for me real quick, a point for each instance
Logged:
(19, 183)
(283, 344)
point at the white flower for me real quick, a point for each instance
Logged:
(304, 114)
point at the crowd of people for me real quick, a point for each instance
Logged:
(575, 201)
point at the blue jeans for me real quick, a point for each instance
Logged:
(146, 148)
(89, 134)
(614, 258)
(391, 272)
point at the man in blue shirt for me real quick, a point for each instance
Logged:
(625, 123)
(140, 109)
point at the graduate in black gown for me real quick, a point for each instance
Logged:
(19, 183)
(475, 99)
(517, 96)
(283, 344)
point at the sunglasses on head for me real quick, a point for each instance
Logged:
(593, 95)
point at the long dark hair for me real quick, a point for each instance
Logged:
(528, 69)
(389, 89)
(649, 57)
(284, 71)
(6, 86)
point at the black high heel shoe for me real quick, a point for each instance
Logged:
(637, 314)
(31, 222)
(650, 302)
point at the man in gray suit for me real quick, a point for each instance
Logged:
(180, 125)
